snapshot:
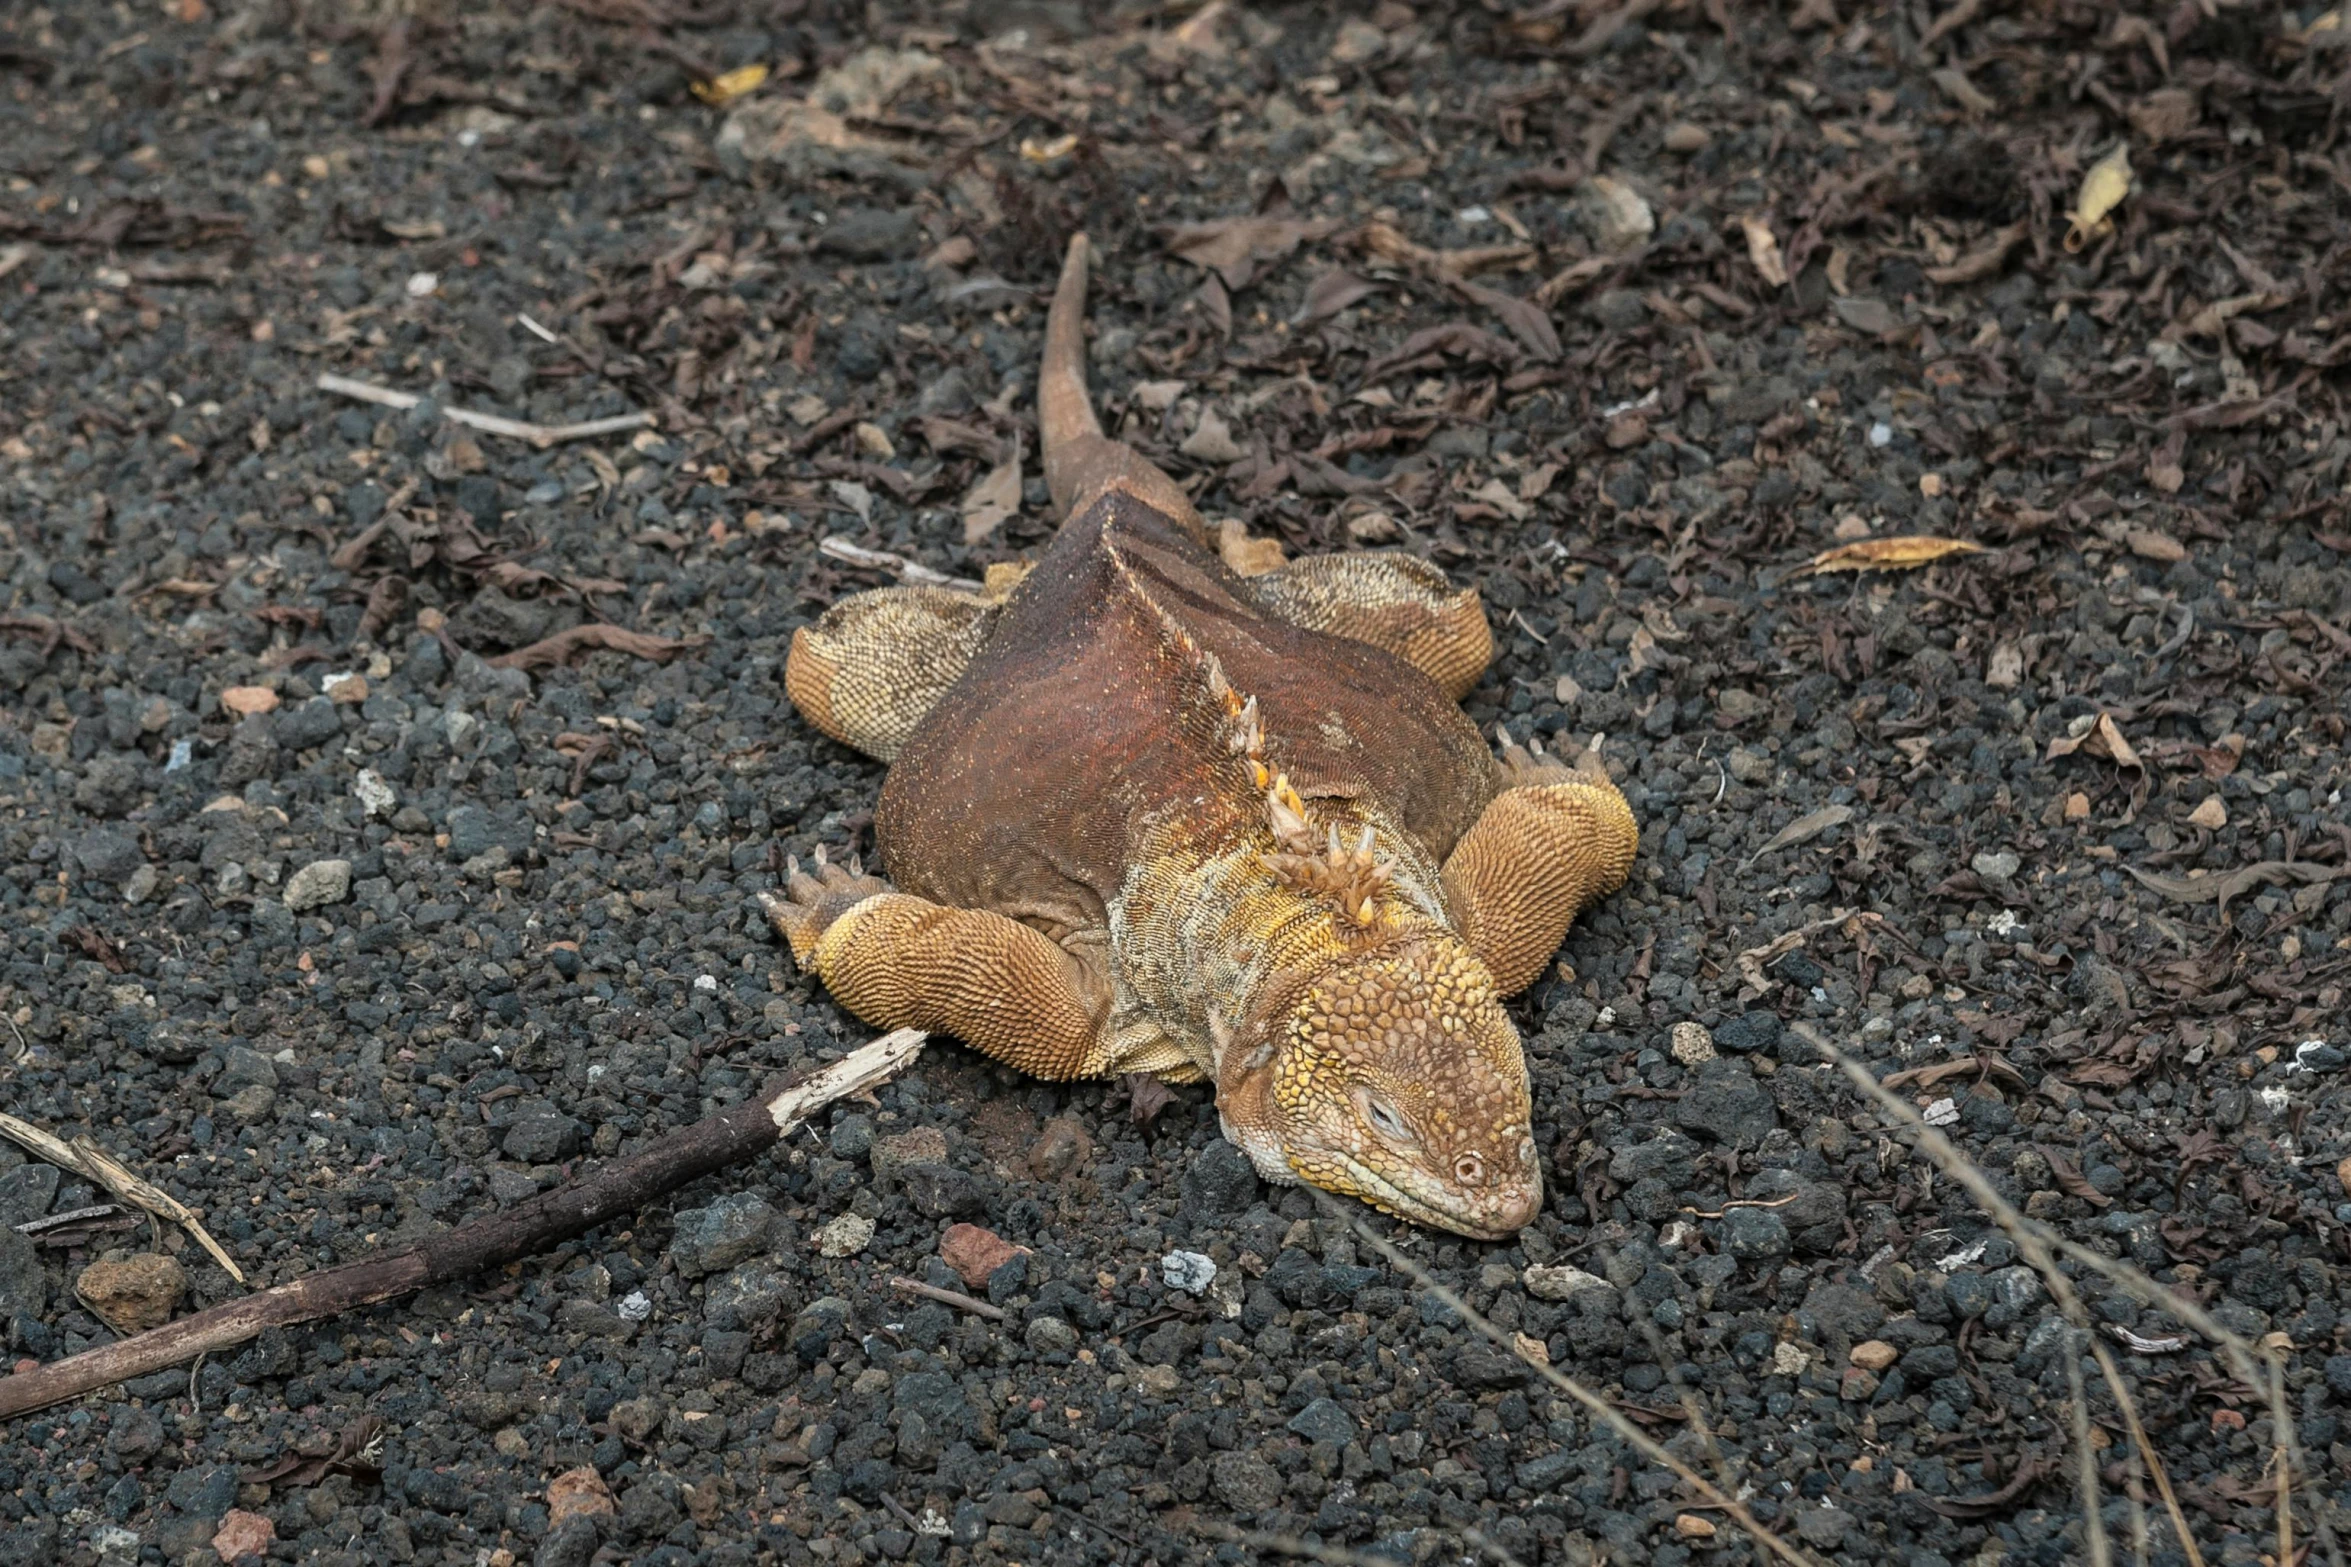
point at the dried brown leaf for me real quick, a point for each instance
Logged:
(549, 652)
(993, 501)
(1331, 293)
(2103, 738)
(1805, 828)
(1527, 320)
(2221, 889)
(1240, 249)
(1899, 552)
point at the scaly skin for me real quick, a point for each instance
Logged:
(1165, 809)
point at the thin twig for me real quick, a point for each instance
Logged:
(1282, 1544)
(2146, 1450)
(1601, 1409)
(91, 1162)
(2077, 1413)
(955, 1298)
(913, 571)
(2257, 1369)
(730, 1136)
(494, 424)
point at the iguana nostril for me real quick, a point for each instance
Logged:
(1469, 1169)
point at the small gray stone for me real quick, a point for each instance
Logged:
(1970, 1294)
(309, 724)
(1996, 865)
(1619, 309)
(865, 234)
(1822, 1527)
(754, 1292)
(1050, 1336)
(542, 1135)
(1728, 1105)
(731, 1230)
(24, 1283)
(108, 854)
(1219, 1181)
(1747, 1034)
(1188, 1271)
(318, 884)
(242, 1067)
(1245, 1482)
(852, 1137)
(510, 1186)
(1754, 1234)
(253, 1103)
(26, 1193)
(1324, 1420)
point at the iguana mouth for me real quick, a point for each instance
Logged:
(1385, 1195)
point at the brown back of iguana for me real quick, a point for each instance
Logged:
(1088, 711)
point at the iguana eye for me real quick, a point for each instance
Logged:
(1469, 1169)
(1383, 1117)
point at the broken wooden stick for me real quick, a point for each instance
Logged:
(495, 424)
(623, 1186)
(93, 1163)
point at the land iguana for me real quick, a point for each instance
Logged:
(1146, 813)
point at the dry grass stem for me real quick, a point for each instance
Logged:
(1601, 1410)
(2258, 1369)
(2077, 1414)
(493, 424)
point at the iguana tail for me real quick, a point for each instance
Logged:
(1081, 463)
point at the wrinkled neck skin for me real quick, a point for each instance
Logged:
(1210, 942)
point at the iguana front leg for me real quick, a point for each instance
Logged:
(1553, 840)
(905, 962)
(1396, 602)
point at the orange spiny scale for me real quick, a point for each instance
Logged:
(1285, 813)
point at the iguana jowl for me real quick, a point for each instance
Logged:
(1149, 814)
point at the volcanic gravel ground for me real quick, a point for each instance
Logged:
(344, 930)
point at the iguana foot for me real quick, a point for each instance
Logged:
(872, 666)
(810, 904)
(1553, 839)
(1396, 602)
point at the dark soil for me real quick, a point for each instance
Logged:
(531, 943)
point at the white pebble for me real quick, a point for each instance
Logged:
(375, 793)
(421, 284)
(634, 1307)
(1188, 1271)
(1943, 1112)
(1881, 434)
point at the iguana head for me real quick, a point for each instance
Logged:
(1392, 1075)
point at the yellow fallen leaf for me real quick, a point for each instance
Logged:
(2103, 188)
(2212, 814)
(727, 86)
(1763, 248)
(1053, 151)
(1902, 552)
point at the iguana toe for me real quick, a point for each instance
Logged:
(809, 904)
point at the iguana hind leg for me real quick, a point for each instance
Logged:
(1551, 841)
(905, 962)
(1395, 602)
(869, 669)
